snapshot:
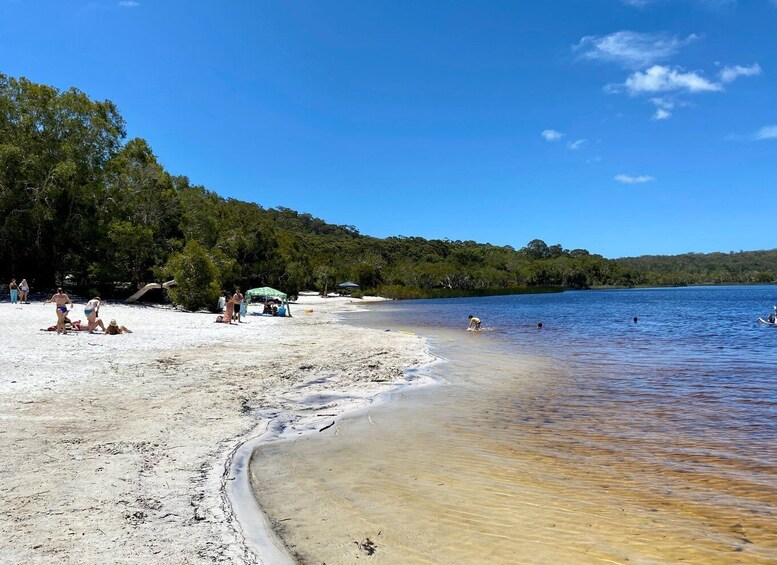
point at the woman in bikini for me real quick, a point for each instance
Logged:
(61, 300)
(91, 311)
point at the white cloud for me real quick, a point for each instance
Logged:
(129, 4)
(766, 132)
(730, 74)
(632, 49)
(659, 78)
(628, 179)
(577, 144)
(551, 135)
(665, 103)
(663, 106)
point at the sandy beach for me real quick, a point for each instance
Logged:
(117, 449)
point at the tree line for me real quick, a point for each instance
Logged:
(83, 207)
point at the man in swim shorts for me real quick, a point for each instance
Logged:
(474, 323)
(238, 299)
(61, 300)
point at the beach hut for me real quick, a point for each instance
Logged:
(265, 292)
(347, 287)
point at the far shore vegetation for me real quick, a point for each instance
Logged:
(84, 208)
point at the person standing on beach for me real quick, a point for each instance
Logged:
(474, 324)
(24, 291)
(237, 298)
(14, 291)
(61, 300)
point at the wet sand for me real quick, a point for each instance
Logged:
(118, 449)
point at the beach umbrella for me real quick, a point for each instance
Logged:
(265, 292)
(348, 284)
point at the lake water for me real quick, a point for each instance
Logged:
(595, 439)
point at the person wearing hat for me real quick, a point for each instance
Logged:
(115, 329)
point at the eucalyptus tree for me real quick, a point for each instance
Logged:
(54, 146)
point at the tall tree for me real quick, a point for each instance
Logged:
(54, 146)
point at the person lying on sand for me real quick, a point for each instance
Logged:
(74, 326)
(115, 329)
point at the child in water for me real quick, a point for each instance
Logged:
(474, 324)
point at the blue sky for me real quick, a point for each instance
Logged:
(625, 127)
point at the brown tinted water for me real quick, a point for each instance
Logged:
(510, 460)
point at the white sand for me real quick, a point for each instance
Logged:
(117, 449)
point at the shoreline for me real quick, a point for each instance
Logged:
(122, 448)
(268, 544)
(263, 537)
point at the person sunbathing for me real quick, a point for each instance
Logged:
(115, 329)
(74, 326)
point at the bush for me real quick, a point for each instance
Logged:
(198, 283)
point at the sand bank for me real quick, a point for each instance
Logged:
(117, 449)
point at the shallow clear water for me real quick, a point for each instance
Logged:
(594, 439)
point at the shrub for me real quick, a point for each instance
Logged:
(198, 283)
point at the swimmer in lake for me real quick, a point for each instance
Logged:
(61, 300)
(474, 323)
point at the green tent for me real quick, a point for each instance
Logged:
(267, 292)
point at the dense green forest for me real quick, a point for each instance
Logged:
(742, 267)
(83, 207)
